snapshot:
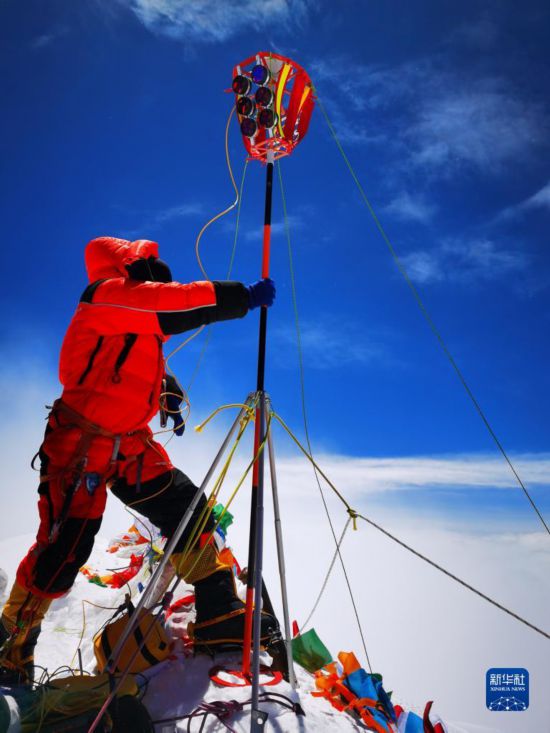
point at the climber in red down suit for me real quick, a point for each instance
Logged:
(112, 371)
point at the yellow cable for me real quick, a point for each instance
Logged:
(205, 227)
(229, 269)
(350, 510)
(184, 343)
(229, 208)
(235, 491)
(248, 408)
(215, 492)
(193, 537)
(106, 608)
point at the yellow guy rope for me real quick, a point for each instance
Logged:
(235, 490)
(208, 507)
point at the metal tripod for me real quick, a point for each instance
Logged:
(261, 401)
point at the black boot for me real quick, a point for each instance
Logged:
(220, 614)
(20, 671)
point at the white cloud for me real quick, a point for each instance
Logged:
(47, 39)
(366, 87)
(406, 207)
(357, 477)
(423, 266)
(433, 118)
(483, 125)
(214, 20)
(155, 219)
(327, 345)
(360, 476)
(464, 261)
(179, 211)
(539, 200)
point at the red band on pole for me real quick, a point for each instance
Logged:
(267, 250)
(247, 640)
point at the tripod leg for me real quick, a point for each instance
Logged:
(281, 559)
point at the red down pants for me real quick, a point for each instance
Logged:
(141, 476)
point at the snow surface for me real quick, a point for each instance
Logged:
(178, 685)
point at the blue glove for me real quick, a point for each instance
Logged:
(173, 397)
(262, 292)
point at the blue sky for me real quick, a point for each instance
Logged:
(114, 124)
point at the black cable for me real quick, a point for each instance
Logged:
(428, 318)
(453, 577)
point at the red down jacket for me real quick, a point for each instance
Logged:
(111, 363)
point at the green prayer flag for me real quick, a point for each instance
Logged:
(309, 651)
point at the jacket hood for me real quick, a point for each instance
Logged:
(107, 257)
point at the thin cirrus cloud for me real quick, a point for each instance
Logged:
(327, 345)
(213, 20)
(485, 127)
(179, 211)
(47, 39)
(153, 220)
(411, 208)
(540, 200)
(431, 117)
(464, 261)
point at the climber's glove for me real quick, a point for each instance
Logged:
(171, 399)
(262, 292)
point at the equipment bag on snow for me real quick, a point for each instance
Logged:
(153, 650)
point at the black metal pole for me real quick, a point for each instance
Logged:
(254, 581)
